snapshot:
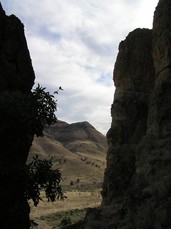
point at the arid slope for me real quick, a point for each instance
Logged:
(78, 149)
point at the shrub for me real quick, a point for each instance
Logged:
(65, 221)
(40, 175)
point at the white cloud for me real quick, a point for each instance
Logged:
(74, 44)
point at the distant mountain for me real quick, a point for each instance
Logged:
(78, 137)
(78, 149)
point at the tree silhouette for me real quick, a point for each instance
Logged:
(22, 116)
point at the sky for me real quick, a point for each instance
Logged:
(74, 44)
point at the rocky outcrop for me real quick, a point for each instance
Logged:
(129, 110)
(16, 80)
(16, 71)
(137, 182)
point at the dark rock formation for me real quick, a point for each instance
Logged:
(134, 83)
(16, 80)
(16, 71)
(137, 183)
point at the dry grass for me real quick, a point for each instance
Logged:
(81, 162)
(48, 215)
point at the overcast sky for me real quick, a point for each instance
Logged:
(73, 44)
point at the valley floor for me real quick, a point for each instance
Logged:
(51, 215)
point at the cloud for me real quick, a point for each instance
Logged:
(74, 44)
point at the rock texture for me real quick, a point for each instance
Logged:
(129, 110)
(137, 183)
(16, 80)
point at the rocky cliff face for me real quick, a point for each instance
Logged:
(137, 182)
(16, 80)
(16, 71)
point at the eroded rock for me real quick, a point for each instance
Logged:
(137, 182)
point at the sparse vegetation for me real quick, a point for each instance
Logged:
(65, 221)
(61, 216)
(78, 180)
(71, 183)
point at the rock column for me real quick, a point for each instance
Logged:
(16, 80)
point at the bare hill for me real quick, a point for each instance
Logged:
(78, 149)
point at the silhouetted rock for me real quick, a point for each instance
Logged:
(129, 111)
(137, 182)
(16, 80)
(16, 71)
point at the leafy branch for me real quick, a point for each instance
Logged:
(41, 176)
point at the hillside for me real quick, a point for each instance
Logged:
(78, 149)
